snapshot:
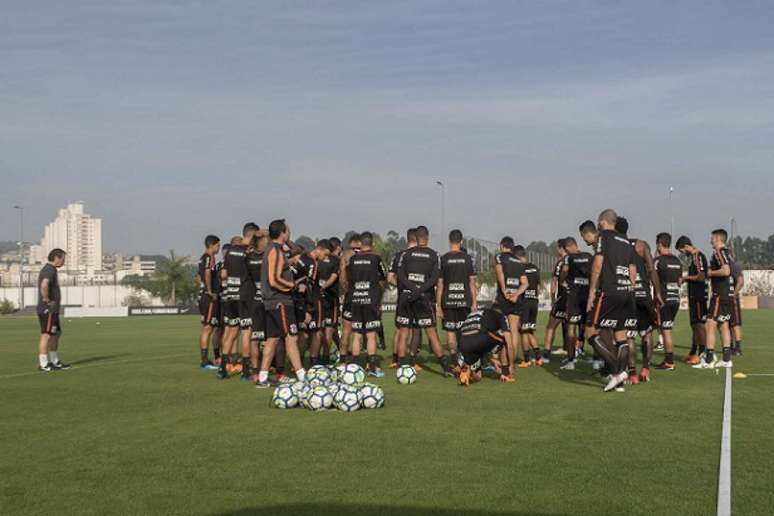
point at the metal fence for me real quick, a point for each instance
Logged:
(483, 253)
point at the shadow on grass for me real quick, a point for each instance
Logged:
(100, 358)
(581, 376)
(313, 509)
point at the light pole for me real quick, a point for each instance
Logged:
(671, 213)
(21, 255)
(443, 209)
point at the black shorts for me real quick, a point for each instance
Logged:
(668, 314)
(529, 314)
(246, 308)
(316, 314)
(366, 318)
(472, 349)
(331, 312)
(647, 318)
(736, 312)
(697, 308)
(230, 312)
(49, 323)
(614, 312)
(209, 309)
(259, 322)
(419, 313)
(280, 320)
(720, 310)
(453, 317)
(559, 308)
(346, 311)
(507, 308)
(576, 306)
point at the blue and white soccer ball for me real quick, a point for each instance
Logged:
(284, 397)
(348, 399)
(406, 375)
(371, 396)
(303, 391)
(334, 388)
(318, 376)
(319, 398)
(352, 375)
(333, 372)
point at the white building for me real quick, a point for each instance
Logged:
(79, 234)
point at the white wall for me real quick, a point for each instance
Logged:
(88, 296)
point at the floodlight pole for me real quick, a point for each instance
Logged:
(443, 209)
(671, 213)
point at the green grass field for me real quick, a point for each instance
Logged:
(135, 427)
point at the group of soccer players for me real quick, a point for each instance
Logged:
(268, 300)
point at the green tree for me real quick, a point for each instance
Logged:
(173, 281)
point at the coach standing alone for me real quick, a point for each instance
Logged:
(49, 301)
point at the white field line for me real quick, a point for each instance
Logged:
(96, 364)
(759, 374)
(724, 477)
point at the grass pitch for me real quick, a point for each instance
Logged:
(135, 427)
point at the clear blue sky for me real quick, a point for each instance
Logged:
(175, 119)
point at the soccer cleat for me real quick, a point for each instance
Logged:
(222, 374)
(524, 364)
(596, 365)
(216, 361)
(634, 379)
(465, 376)
(645, 374)
(417, 367)
(449, 373)
(738, 351)
(569, 366)
(692, 360)
(539, 362)
(46, 368)
(254, 377)
(236, 369)
(262, 385)
(615, 381)
(489, 368)
(393, 365)
(665, 366)
(659, 346)
(507, 378)
(546, 360)
(559, 351)
(620, 388)
(704, 364)
(60, 366)
(208, 366)
(376, 373)
(724, 363)
(245, 376)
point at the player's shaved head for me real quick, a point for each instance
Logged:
(423, 234)
(608, 217)
(236, 240)
(366, 239)
(411, 235)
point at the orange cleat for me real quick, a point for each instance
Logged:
(417, 367)
(634, 379)
(465, 377)
(393, 365)
(506, 378)
(236, 368)
(523, 364)
(539, 362)
(645, 375)
(692, 359)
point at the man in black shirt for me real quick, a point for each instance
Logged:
(737, 276)
(558, 293)
(418, 272)
(328, 280)
(529, 310)
(255, 256)
(719, 316)
(209, 286)
(346, 306)
(415, 336)
(49, 303)
(576, 273)
(309, 297)
(613, 272)
(483, 332)
(697, 296)
(455, 294)
(511, 284)
(364, 276)
(670, 275)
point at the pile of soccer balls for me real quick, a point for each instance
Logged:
(326, 387)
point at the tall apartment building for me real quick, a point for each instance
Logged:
(79, 234)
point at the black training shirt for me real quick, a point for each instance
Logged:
(669, 270)
(618, 254)
(365, 272)
(49, 272)
(456, 270)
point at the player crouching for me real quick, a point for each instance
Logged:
(484, 331)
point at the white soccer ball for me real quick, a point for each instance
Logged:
(284, 397)
(353, 374)
(318, 377)
(348, 399)
(334, 374)
(406, 375)
(319, 398)
(371, 396)
(303, 391)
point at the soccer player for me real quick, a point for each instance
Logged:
(209, 285)
(346, 307)
(392, 279)
(670, 275)
(511, 284)
(328, 278)
(576, 273)
(645, 305)
(418, 271)
(737, 276)
(308, 299)
(363, 276)
(612, 272)
(529, 310)
(697, 296)
(49, 303)
(276, 286)
(720, 303)
(558, 293)
(455, 294)
(483, 332)
(255, 254)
